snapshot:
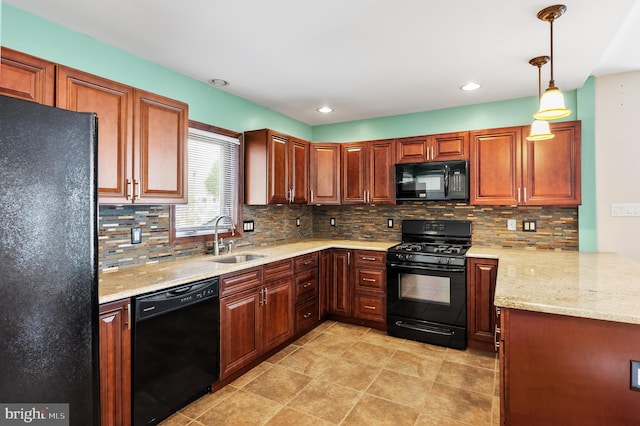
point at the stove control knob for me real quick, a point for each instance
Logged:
(408, 257)
(444, 260)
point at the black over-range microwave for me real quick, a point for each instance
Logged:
(433, 181)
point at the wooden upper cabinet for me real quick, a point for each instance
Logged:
(161, 128)
(495, 166)
(506, 169)
(298, 171)
(142, 138)
(276, 168)
(324, 173)
(367, 172)
(26, 77)
(446, 146)
(552, 167)
(113, 103)
(354, 173)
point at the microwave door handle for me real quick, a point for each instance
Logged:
(446, 180)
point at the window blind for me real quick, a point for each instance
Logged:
(213, 184)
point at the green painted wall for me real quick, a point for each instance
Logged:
(514, 112)
(31, 34)
(26, 32)
(587, 231)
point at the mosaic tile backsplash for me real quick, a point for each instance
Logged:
(557, 227)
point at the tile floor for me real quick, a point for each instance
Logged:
(340, 374)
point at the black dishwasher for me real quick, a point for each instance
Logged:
(176, 349)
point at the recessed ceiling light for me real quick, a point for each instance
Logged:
(470, 86)
(218, 82)
(325, 109)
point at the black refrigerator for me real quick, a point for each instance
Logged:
(48, 265)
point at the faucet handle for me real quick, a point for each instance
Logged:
(230, 243)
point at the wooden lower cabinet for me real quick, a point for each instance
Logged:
(481, 316)
(562, 370)
(257, 318)
(324, 282)
(358, 287)
(115, 363)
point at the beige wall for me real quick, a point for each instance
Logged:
(617, 112)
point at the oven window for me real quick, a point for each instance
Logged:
(425, 288)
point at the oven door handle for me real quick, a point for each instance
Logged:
(426, 268)
(426, 328)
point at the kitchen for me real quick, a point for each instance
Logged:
(488, 222)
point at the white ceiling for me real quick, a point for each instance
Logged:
(364, 58)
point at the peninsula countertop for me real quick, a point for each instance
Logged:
(137, 280)
(603, 286)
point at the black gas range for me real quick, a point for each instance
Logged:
(426, 282)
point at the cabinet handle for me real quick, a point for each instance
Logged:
(308, 262)
(311, 200)
(525, 194)
(367, 258)
(136, 186)
(368, 279)
(348, 258)
(307, 315)
(265, 296)
(496, 337)
(518, 195)
(128, 190)
(129, 316)
(373, 308)
(306, 285)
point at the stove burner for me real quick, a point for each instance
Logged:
(447, 249)
(430, 248)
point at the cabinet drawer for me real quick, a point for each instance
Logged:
(277, 270)
(238, 281)
(369, 307)
(371, 279)
(306, 315)
(306, 284)
(306, 261)
(367, 257)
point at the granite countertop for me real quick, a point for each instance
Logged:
(158, 276)
(603, 286)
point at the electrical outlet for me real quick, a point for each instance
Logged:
(247, 226)
(136, 235)
(511, 224)
(297, 221)
(635, 375)
(389, 223)
(332, 221)
(529, 225)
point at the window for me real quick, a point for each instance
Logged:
(213, 158)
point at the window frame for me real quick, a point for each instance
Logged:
(173, 240)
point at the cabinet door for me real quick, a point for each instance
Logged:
(277, 172)
(354, 173)
(299, 171)
(324, 173)
(115, 363)
(450, 146)
(113, 103)
(552, 167)
(239, 334)
(277, 321)
(26, 77)
(325, 274)
(340, 291)
(160, 142)
(411, 150)
(481, 317)
(495, 166)
(381, 173)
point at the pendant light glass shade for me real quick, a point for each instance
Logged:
(552, 105)
(540, 131)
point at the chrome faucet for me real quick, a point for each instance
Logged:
(217, 245)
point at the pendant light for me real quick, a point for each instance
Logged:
(552, 101)
(540, 130)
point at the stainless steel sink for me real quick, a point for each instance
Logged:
(238, 258)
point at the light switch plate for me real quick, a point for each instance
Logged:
(635, 375)
(332, 221)
(136, 235)
(247, 226)
(389, 223)
(619, 209)
(511, 224)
